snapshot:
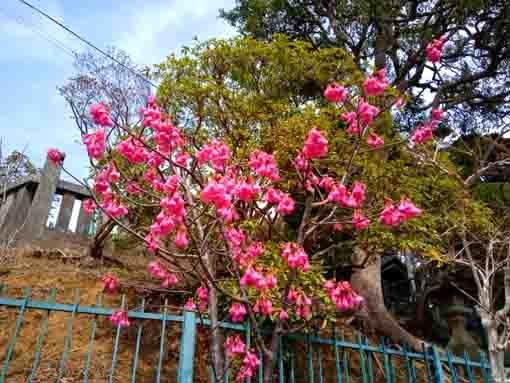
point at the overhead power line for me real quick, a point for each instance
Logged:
(55, 42)
(82, 39)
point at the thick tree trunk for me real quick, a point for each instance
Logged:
(269, 360)
(367, 282)
(216, 336)
(496, 357)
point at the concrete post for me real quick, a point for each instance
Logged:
(41, 204)
(65, 212)
(14, 217)
(84, 221)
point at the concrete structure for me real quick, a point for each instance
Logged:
(26, 204)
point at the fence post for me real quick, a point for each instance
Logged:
(187, 354)
(437, 368)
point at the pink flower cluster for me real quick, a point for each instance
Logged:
(234, 346)
(237, 312)
(424, 132)
(392, 215)
(203, 296)
(190, 305)
(101, 115)
(375, 85)
(248, 367)
(215, 152)
(303, 304)
(120, 318)
(56, 157)
(95, 143)
(335, 93)
(158, 271)
(364, 117)
(133, 150)
(257, 280)
(295, 256)
(353, 200)
(434, 49)
(263, 306)
(285, 204)
(111, 283)
(359, 221)
(343, 295)
(374, 140)
(264, 165)
(316, 145)
(89, 206)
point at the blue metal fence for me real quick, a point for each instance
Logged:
(302, 358)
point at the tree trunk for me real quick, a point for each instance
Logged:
(367, 282)
(216, 338)
(269, 360)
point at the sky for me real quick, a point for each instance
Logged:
(33, 116)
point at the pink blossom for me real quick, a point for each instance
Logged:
(254, 250)
(408, 209)
(115, 209)
(169, 280)
(390, 215)
(89, 206)
(359, 221)
(358, 193)
(157, 270)
(292, 295)
(263, 306)
(181, 238)
(133, 188)
(316, 145)
(375, 85)
(190, 305)
(337, 194)
(326, 183)
(151, 242)
(203, 293)
(434, 49)
(95, 143)
(182, 159)
(120, 318)
(249, 365)
(216, 152)
(295, 256)
(264, 165)
(247, 190)
(374, 140)
(343, 295)
(301, 163)
(56, 157)
(335, 93)
(367, 113)
(284, 315)
(111, 283)
(337, 227)
(216, 193)
(171, 184)
(237, 312)
(234, 345)
(422, 134)
(437, 117)
(133, 151)
(100, 115)
(174, 205)
(351, 118)
(285, 202)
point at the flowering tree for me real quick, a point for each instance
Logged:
(251, 231)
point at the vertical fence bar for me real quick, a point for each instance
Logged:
(91, 342)
(310, 360)
(68, 337)
(162, 343)
(453, 371)
(467, 364)
(248, 344)
(187, 353)
(427, 364)
(483, 369)
(337, 359)
(12, 344)
(42, 335)
(370, 366)
(226, 372)
(261, 367)
(137, 347)
(386, 358)
(292, 375)
(438, 368)
(319, 362)
(346, 367)
(362, 361)
(116, 344)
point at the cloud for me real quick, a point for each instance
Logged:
(154, 32)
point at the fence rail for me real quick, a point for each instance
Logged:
(301, 358)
